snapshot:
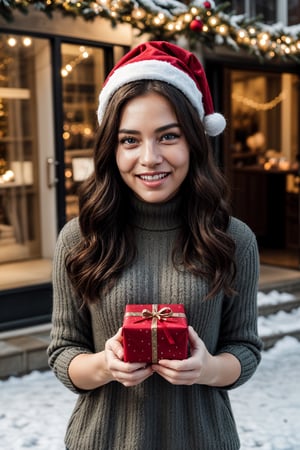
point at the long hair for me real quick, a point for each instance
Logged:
(107, 245)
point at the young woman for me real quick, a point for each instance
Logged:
(154, 227)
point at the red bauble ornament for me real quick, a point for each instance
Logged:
(207, 5)
(196, 25)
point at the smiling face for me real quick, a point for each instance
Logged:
(152, 153)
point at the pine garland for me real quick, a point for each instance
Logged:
(199, 21)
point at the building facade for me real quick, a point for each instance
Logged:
(51, 72)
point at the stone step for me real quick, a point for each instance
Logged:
(287, 303)
(284, 321)
(270, 341)
(24, 350)
(280, 279)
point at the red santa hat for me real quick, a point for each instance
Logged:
(161, 60)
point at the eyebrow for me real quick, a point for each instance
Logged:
(158, 130)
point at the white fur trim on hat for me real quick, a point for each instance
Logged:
(150, 70)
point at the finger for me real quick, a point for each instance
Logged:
(127, 368)
(133, 378)
(193, 336)
(115, 344)
(175, 377)
(174, 365)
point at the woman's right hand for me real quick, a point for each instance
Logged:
(129, 374)
(92, 370)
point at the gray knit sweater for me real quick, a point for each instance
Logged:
(155, 415)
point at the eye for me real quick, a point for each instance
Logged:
(128, 141)
(170, 137)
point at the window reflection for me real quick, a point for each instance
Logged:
(82, 76)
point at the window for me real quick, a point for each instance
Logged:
(19, 190)
(293, 12)
(271, 11)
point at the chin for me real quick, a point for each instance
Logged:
(155, 198)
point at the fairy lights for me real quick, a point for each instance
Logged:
(67, 69)
(258, 106)
(199, 20)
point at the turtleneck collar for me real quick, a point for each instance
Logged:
(156, 216)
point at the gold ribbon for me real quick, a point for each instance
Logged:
(162, 314)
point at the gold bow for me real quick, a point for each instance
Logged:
(162, 314)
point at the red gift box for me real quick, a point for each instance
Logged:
(154, 332)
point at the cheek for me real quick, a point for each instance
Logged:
(182, 159)
(123, 161)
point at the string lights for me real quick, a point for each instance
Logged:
(83, 54)
(258, 106)
(199, 21)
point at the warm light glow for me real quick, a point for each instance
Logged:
(8, 176)
(27, 41)
(138, 13)
(12, 42)
(267, 165)
(87, 131)
(213, 21)
(178, 26)
(68, 173)
(66, 135)
(194, 11)
(223, 29)
(170, 26)
(188, 17)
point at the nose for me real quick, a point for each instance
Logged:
(150, 154)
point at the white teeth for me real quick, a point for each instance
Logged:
(158, 176)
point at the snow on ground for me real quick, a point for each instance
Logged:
(267, 408)
(34, 409)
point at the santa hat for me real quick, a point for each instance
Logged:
(161, 60)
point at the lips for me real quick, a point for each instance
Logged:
(153, 177)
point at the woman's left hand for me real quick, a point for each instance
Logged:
(201, 367)
(189, 371)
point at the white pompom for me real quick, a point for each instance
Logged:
(214, 124)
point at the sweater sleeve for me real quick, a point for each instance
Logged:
(239, 335)
(71, 328)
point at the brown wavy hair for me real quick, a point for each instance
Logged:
(107, 246)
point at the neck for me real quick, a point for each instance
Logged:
(156, 216)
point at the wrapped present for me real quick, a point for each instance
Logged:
(154, 332)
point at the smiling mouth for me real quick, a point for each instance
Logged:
(154, 177)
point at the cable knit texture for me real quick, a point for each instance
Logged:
(156, 415)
